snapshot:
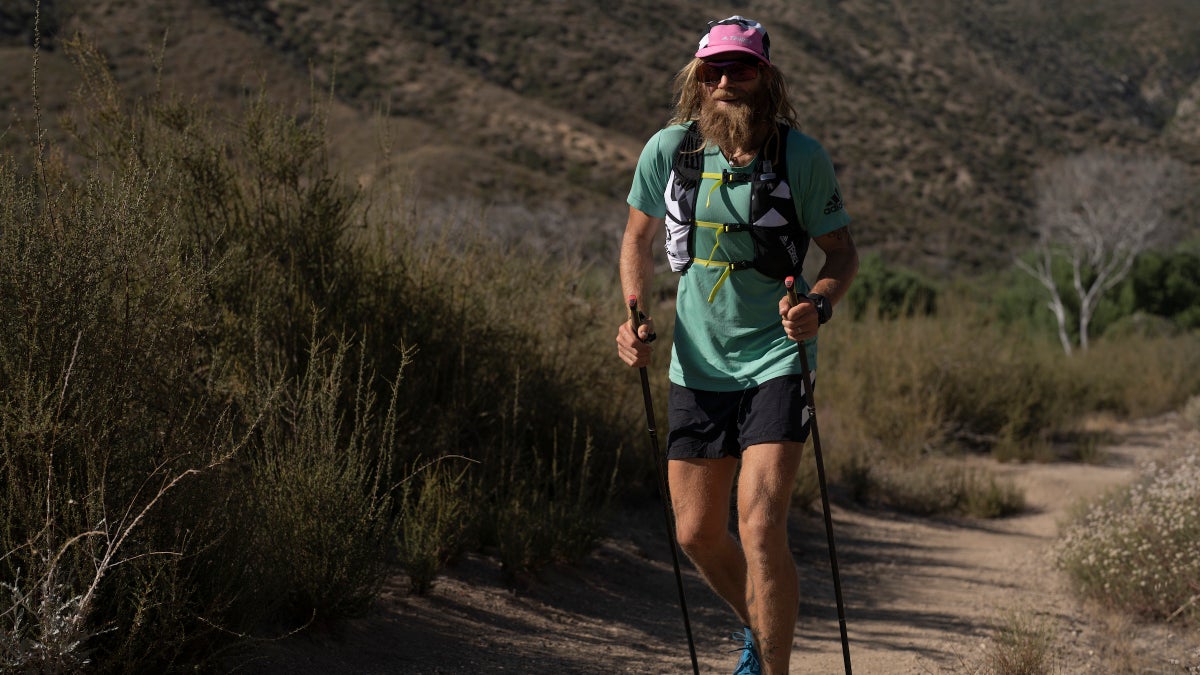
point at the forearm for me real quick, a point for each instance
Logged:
(637, 254)
(840, 268)
(637, 272)
(637, 267)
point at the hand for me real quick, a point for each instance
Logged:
(635, 350)
(801, 321)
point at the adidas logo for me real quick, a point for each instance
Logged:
(834, 204)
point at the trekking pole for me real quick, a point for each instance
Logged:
(790, 282)
(635, 320)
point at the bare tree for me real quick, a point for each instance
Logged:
(1097, 212)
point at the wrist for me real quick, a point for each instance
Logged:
(824, 307)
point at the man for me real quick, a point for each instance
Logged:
(736, 389)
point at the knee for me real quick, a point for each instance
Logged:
(696, 536)
(761, 530)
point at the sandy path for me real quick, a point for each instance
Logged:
(922, 596)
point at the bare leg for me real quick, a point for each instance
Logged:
(772, 584)
(700, 491)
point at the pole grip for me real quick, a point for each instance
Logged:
(790, 282)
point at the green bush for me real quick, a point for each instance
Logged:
(1166, 284)
(1157, 299)
(890, 291)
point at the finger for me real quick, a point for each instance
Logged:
(785, 305)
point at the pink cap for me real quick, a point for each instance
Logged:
(735, 34)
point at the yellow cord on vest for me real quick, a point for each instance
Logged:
(719, 180)
(719, 227)
(724, 275)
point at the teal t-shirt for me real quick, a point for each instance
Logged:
(735, 341)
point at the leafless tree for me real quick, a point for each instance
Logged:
(1096, 212)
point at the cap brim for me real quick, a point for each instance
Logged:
(709, 52)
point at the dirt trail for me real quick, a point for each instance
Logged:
(922, 596)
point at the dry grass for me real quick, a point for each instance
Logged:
(1023, 644)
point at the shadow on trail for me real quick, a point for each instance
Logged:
(617, 610)
(875, 564)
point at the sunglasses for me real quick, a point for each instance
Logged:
(736, 71)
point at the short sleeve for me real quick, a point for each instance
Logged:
(647, 193)
(820, 206)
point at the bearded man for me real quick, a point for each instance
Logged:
(740, 191)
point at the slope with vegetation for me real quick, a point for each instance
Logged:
(937, 114)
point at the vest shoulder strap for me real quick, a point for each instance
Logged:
(689, 156)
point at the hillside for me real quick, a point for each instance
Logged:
(529, 115)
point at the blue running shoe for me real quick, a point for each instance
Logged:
(749, 664)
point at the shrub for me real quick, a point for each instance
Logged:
(909, 386)
(193, 452)
(1022, 645)
(933, 487)
(1136, 376)
(543, 508)
(1191, 413)
(1135, 550)
(105, 419)
(1166, 284)
(319, 502)
(434, 513)
(916, 384)
(890, 291)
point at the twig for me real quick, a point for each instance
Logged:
(430, 463)
(1191, 601)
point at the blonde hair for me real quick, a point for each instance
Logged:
(690, 94)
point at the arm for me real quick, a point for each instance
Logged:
(841, 265)
(637, 271)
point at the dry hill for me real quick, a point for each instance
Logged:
(529, 115)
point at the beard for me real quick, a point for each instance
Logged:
(734, 126)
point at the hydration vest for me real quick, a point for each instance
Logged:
(780, 242)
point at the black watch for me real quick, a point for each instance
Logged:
(824, 307)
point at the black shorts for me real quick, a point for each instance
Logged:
(716, 424)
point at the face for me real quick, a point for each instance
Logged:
(737, 107)
(731, 81)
